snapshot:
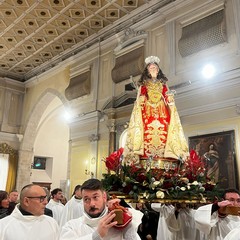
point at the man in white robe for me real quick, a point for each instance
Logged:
(233, 234)
(163, 233)
(213, 220)
(27, 220)
(96, 223)
(55, 204)
(73, 208)
(180, 222)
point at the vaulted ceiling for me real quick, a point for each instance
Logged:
(38, 34)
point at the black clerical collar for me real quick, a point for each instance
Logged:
(24, 212)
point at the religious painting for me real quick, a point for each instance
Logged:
(218, 152)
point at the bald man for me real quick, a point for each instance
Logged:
(27, 220)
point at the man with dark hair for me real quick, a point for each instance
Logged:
(74, 207)
(97, 222)
(218, 219)
(27, 220)
(55, 204)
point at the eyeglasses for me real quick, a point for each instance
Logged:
(41, 198)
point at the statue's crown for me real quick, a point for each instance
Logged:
(152, 59)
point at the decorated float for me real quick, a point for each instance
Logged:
(155, 163)
(182, 181)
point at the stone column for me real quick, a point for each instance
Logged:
(69, 158)
(236, 15)
(112, 135)
(24, 168)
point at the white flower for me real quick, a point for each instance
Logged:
(195, 183)
(156, 183)
(183, 188)
(160, 194)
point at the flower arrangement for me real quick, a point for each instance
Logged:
(188, 180)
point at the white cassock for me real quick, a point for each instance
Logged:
(163, 233)
(57, 208)
(84, 228)
(183, 227)
(72, 210)
(136, 217)
(214, 227)
(28, 227)
(233, 234)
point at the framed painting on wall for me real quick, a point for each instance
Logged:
(218, 152)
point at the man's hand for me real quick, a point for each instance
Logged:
(106, 223)
(225, 203)
(222, 206)
(113, 202)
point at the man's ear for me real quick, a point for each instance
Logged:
(25, 201)
(105, 196)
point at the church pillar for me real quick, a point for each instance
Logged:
(69, 158)
(112, 131)
(24, 168)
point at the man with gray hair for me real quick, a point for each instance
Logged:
(27, 220)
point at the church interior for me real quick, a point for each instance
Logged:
(68, 74)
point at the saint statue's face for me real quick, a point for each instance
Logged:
(153, 69)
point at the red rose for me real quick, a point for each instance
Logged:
(141, 177)
(113, 160)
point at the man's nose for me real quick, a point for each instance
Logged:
(92, 203)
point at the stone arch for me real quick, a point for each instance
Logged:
(29, 135)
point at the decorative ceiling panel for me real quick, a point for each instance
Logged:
(36, 35)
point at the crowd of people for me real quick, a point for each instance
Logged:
(89, 215)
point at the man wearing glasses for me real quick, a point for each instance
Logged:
(27, 220)
(218, 219)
